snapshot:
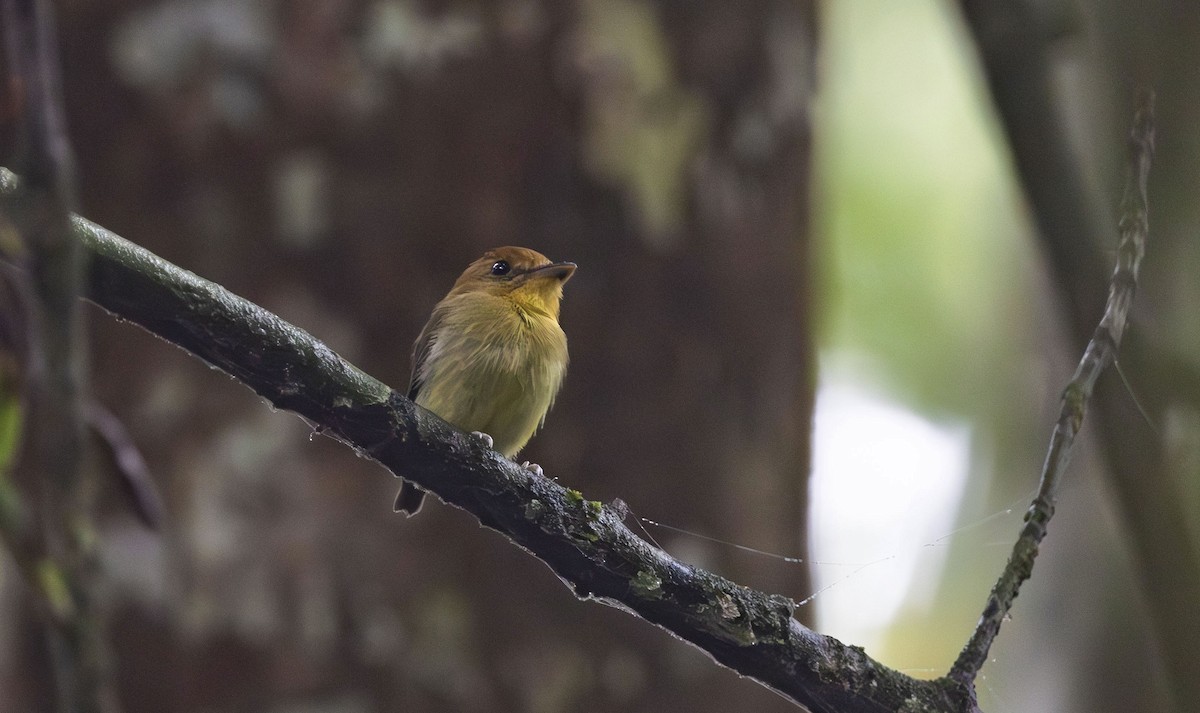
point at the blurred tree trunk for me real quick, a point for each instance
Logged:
(340, 163)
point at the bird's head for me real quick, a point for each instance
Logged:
(525, 276)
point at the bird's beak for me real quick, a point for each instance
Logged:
(560, 271)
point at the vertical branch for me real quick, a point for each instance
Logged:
(1100, 352)
(56, 361)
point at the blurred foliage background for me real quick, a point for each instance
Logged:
(749, 189)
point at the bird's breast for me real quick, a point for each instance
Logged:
(496, 368)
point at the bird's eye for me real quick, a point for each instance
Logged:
(501, 267)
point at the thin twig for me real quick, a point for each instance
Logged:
(136, 482)
(1100, 352)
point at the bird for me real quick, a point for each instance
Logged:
(492, 357)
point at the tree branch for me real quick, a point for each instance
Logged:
(584, 542)
(1100, 352)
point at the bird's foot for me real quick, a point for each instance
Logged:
(533, 468)
(487, 440)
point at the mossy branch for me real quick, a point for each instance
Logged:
(584, 542)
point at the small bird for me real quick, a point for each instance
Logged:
(492, 357)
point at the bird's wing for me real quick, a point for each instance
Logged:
(411, 496)
(421, 349)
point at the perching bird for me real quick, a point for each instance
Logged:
(492, 356)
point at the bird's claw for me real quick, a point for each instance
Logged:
(487, 440)
(533, 468)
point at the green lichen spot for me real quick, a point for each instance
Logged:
(647, 586)
(534, 509)
(586, 536)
